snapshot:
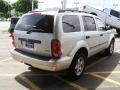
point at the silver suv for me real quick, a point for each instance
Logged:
(56, 41)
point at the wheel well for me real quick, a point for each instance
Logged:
(93, 13)
(83, 50)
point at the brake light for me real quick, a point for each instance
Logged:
(56, 48)
(13, 40)
(36, 13)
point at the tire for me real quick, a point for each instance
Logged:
(110, 50)
(77, 66)
(118, 31)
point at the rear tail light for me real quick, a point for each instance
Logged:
(36, 13)
(56, 48)
(13, 40)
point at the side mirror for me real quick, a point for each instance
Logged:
(108, 27)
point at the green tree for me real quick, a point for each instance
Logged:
(23, 6)
(4, 8)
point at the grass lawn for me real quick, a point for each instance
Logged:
(5, 31)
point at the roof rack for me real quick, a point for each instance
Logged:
(68, 10)
(36, 11)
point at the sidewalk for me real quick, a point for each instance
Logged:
(4, 26)
(5, 45)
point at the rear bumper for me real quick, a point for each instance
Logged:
(49, 64)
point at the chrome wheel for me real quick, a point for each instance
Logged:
(79, 66)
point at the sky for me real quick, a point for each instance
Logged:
(99, 4)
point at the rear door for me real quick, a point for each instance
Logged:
(104, 34)
(91, 34)
(72, 32)
(33, 34)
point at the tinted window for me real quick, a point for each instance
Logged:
(42, 23)
(71, 23)
(100, 24)
(89, 23)
(14, 20)
(115, 13)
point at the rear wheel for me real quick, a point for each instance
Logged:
(110, 49)
(77, 67)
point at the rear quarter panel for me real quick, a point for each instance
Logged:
(72, 42)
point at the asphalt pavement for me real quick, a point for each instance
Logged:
(102, 73)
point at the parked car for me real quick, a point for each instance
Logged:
(3, 19)
(13, 22)
(63, 40)
(109, 16)
(9, 19)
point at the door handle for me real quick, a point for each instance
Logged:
(87, 37)
(101, 34)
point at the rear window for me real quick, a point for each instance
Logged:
(41, 23)
(115, 13)
(89, 23)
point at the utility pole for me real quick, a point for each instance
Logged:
(9, 10)
(41, 2)
(32, 5)
(64, 3)
(76, 3)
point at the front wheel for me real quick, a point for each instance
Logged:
(110, 49)
(77, 67)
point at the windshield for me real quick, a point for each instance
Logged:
(42, 23)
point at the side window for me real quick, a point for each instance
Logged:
(70, 23)
(115, 13)
(100, 24)
(89, 23)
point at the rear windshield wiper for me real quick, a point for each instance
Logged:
(71, 25)
(34, 30)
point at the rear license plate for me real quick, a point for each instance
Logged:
(29, 44)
